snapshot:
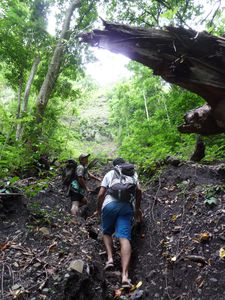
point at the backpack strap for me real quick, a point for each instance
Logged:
(117, 172)
(124, 170)
(116, 175)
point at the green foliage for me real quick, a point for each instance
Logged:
(49, 138)
(32, 190)
(145, 113)
(23, 35)
(144, 110)
(42, 216)
(211, 201)
(211, 193)
(212, 190)
(156, 13)
(215, 147)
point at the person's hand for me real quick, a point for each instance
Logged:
(138, 215)
(97, 214)
(96, 178)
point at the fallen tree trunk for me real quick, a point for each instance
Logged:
(194, 61)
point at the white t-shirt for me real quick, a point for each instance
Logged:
(106, 182)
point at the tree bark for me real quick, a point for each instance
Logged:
(19, 129)
(199, 152)
(54, 66)
(19, 97)
(194, 61)
(146, 106)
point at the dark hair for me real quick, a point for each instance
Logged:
(118, 161)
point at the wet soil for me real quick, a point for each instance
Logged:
(177, 250)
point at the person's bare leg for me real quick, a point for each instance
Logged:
(107, 239)
(75, 209)
(125, 257)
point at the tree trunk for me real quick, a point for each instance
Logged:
(200, 120)
(54, 66)
(146, 106)
(199, 152)
(19, 95)
(19, 129)
(194, 61)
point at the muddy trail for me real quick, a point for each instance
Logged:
(178, 251)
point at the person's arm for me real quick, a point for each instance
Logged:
(101, 197)
(82, 183)
(93, 176)
(102, 192)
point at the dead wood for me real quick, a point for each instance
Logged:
(192, 60)
(10, 195)
(197, 258)
(199, 152)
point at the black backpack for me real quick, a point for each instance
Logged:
(123, 184)
(69, 172)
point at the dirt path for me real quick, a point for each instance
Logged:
(177, 253)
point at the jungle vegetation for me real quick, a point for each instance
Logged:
(50, 109)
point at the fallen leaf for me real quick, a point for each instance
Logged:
(199, 281)
(174, 218)
(172, 188)
(28, 253)
(174, 258)
(77, 265)
(118, 293)
(51, 271)
(204, 237)
(44, 230)
(42, 285)
(16, 287)
(196, 240)
(211, 201)
(17, 291)
(4, 246)
(222, 253)
(210, 261)
(139, 284)
(52, 247)
(136, 286)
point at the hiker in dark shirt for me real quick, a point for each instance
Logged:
(79, 186)
(117, 217)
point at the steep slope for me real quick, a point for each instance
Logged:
(177, 251)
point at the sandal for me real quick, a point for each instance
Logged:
(109, 265)
(126, 284)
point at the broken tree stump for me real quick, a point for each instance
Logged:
(190, 59)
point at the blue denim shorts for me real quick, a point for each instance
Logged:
(117, 217)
